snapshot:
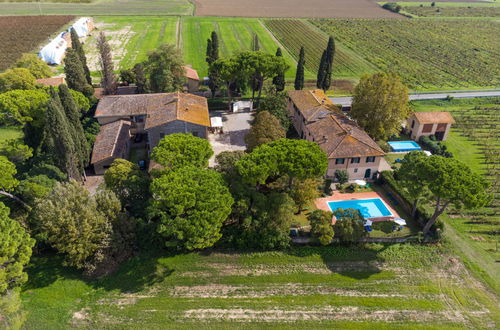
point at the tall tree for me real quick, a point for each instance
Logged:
(190, 204)
(164, 69)
(58, 145)
(79, 225)
(208, 52)
(15, 251)
(299, 75)
(380, 104)
(36, 66)
(215, 46)
(255, 43)
(16, 78)
(276, 104)
(73, 115)
(321, 226)
(410, 174)
(212, 56)
(108, 77)
(140, 78)
(304, 192)
(77, 46)
(291, 159)
(265, 128)
(8, 180)
(321, 71)
(182, 149)
(330, 53)
(349, 226)
(75, 74)
(452, 182)
(279, 80)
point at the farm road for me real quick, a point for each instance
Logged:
(346, 101)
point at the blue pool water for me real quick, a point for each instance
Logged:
(369, 208)
(401, 146)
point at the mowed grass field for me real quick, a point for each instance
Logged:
(132, 37)
(425, 53)
(398, 286)
(7, 133)
(100, 8)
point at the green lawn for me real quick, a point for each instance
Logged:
(7, 133)
(312, 287)
(100, 8)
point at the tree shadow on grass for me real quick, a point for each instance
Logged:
(133, 275)
(355, 261)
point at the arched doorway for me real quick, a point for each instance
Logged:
(368, 173)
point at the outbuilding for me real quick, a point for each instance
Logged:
(436, 123)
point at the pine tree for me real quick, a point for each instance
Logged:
(73, 117)
(330, 53)
(77, 46)
(108, 81)
(279, 80)
(58, 143)
(75, 75)
(321, 71)
(299, 75)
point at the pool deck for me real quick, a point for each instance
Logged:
(322, 203)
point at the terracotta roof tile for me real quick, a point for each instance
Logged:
(339, 137)
(111, 140)
(54, 81)
(159, 108)
(191, 73)
(312, 103)
(437, 117)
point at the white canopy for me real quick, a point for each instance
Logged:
(360, 182)
(241, 105)
(216, 121)
(81, 26)
(368, 222)
(428, 153)
(399, 221)
(53, 52)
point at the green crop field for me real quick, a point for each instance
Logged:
(132, 37)
(100, 8)
(7, 133)
(235, 34)
(442, 9)
(426, 53)
(397, 286)
(294, 33)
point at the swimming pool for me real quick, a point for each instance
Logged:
(403, 146)
(369, 208)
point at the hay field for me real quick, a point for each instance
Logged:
(293, 8)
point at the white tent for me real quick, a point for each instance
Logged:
(53, 52)
(82, 26)
(428, 153)
(360, 182)
(399, 221)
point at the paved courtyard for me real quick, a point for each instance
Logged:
(235, 127)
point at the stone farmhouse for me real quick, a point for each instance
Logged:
(347, 146)
(430, 123)
(154, 115)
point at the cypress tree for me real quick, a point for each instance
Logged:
(330, 53)
(279, 80)
(58, 144)
(140, 78)
(215, 46)
(108, 81)
(208, 55)
(299, 76)
(255, 43)
(75, 75)
(77, 46)
(321, 71)
(73, 117)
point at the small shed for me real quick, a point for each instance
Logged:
(54, 81)
(436, 123)
(192, 79)
(216, 124)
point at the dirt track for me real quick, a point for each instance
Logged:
(293, 8)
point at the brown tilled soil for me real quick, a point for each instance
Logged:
(293, 8)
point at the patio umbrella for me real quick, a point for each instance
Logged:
(399, 221)
(368, 222)
(360, 182)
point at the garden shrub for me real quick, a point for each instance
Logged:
(436, 147)
(392, 6)
(342, 176)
